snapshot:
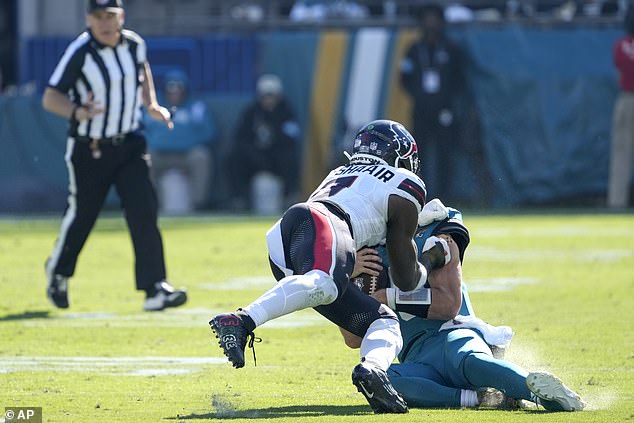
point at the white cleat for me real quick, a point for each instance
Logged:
(550, 388)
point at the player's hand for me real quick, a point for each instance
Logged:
(438, 250)
(368, 261)
(380, 295)
(161, 114)
(88, 110)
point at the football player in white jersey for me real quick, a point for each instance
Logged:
(312, 254)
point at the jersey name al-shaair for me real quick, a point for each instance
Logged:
(380, 172)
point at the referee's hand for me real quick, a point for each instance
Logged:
(161, 114)
(88, 110)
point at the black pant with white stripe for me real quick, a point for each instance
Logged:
(126, 166)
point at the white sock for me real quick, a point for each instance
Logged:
(381, 343)
(468, 398)
(292, 293)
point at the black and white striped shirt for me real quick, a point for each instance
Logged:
(112, 74)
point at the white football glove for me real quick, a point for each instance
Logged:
(433, 211)
(431, 243)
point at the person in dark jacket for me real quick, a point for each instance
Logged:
(267, 139)
(432, 74)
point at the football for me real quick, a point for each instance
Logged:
(370, 284)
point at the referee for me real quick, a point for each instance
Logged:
(99, 85)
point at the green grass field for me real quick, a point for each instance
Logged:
(565, 284)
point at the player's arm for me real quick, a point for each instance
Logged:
(405, 271)
(446, 286)
(441, 296)
(154, 109)
(444, 282)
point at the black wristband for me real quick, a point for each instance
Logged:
(74, 112)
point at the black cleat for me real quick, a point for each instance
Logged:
(232, 337)
(57, 291)
(377, 389)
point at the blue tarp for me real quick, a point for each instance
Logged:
(545, 98)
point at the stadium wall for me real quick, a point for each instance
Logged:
(544, 98)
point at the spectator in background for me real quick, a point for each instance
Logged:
(185, 149)
(623, 120)
(267, 139)
(321, 10)
(432, 74)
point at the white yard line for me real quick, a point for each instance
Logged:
(195, 317)
(119, 366)
(542, 254)
(497, 284)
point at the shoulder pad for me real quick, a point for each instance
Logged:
(414, 186)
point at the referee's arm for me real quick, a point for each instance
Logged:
(58, 103)
(154, 109)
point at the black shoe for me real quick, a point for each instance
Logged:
(57, 291)
(164, 295)
(377, 389)
(232, 337)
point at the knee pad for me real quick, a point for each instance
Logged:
(322, 288)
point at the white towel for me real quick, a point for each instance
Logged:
(499, 336)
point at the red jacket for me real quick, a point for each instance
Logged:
(623, 54)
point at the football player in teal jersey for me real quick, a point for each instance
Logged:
(451, 363)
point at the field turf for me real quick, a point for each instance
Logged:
(564, 282)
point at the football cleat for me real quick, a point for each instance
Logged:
(164, 295)
(549, 387)
(232, 337)
(57, 291)
(375, 386)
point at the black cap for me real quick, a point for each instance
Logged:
(107, 5)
